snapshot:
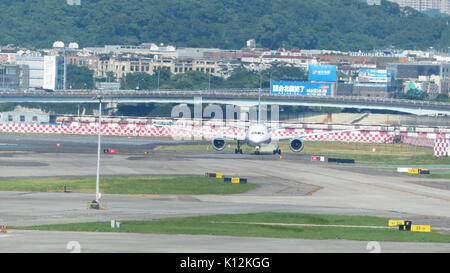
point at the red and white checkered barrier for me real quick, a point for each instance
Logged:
(441, 147)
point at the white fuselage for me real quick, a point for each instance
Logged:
(258, 136)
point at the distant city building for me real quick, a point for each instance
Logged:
(442, 6)
(54, 73)
(120, 66)
(426, 72)
(373, 2)
(44, 72)
(251, 43)
(143, 49)
(73, 2)
(413, 70)
(14, 76)
(35, 69)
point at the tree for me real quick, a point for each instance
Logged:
(242, 78)
(309, 24)
(80, 77)
(194, 80)
(283, 73)
(415, 94)
(136, 81)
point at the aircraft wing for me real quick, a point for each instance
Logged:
(310, 135)
(210, 133)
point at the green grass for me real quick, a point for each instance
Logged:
(239, 225)
(398, 154)
(129, 185)
(439, 174)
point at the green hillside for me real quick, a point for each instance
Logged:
(318, 24)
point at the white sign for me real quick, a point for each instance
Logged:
(50, 72)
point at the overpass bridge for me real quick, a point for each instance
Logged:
(239, 97)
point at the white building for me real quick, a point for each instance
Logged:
(45, 72)
(54, 73)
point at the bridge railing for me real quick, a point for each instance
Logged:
(223, 93)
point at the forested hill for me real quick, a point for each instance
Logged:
(309, 24)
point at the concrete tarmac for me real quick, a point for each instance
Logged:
(290, 184)
(95, 242)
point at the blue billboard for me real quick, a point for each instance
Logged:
(375, 75)
(310, 89)
(322, 73)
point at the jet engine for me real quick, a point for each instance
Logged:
(218, 144)
(296, 145)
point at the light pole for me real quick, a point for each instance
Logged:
(209, 80)
(159, 74)
(97, 184)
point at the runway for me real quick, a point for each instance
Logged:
(290, 184)
(92, 242)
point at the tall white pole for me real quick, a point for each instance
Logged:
(259, 98)
(97, 185)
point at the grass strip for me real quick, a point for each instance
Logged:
(387, 154)
(129, 185)
(208, 225)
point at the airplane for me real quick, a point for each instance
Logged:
(258, 135)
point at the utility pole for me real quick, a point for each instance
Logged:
(159, 74)
(209, 81)
(97, 184)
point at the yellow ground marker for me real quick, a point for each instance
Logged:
(394, 223)
(420, 228)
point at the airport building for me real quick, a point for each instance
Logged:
(24, 117)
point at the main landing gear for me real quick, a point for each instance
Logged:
(277, 151)
(238, 150)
